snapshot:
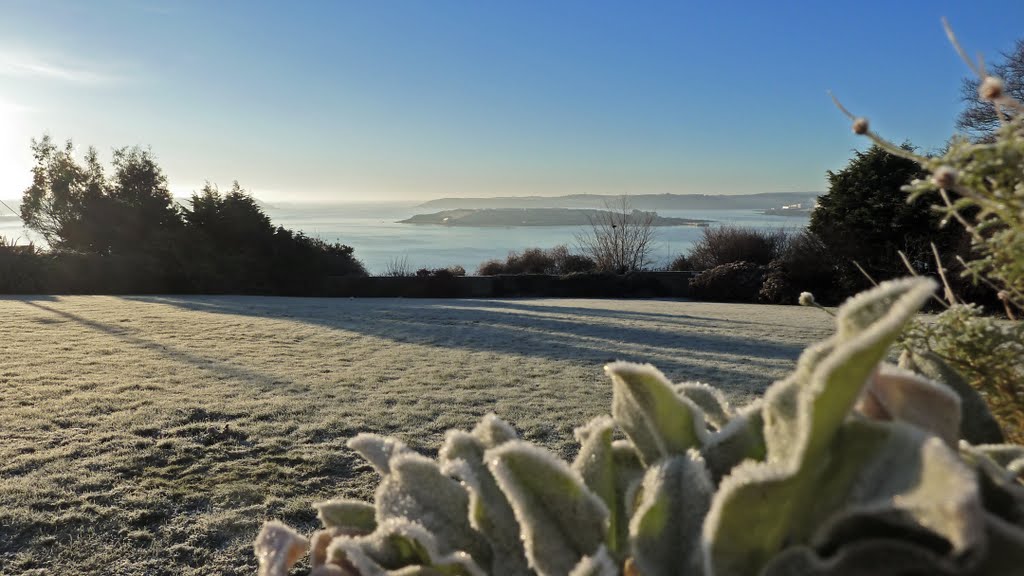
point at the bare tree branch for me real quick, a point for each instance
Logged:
(620, 239)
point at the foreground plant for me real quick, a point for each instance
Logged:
(848, 466)
(987, 358)
(980, 185)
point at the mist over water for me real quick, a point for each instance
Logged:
(373, 230)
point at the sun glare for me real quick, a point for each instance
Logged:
(15, 159)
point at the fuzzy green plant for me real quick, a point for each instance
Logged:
(982, 358)
(849, 465)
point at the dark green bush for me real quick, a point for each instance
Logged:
(865, 218)
(805, 265)
(680, 264)
(732, 282)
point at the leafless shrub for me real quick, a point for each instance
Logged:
(620, 239)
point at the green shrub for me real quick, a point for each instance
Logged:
(847, 466)
(865, 221)
(732, 282)
(805, 265)
(986, 353)
(19, 267)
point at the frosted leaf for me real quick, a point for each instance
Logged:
(1001, 487)
(872, 321)
(895, 299)
(665, 531)
(874, 469)
(351, 516)
(896, 394)
(1016, 468)
(329, 570)
(741, 439)
(561, 519)
(749, 518)
(710, 400)
(399, 545)
(489, 511)
(783, 427)
(977, 425)
(278, 547)
(493, 431)
(417, 491)
(811, 357)
(658, 421)
(909, 475)
(348, 552)
(629, 472)
(378, 450)
(597, 466)
(600, 564)
(318, 544)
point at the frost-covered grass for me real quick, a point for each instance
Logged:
(153, 435)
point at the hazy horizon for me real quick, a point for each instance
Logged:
(183, 199)
(407, 102)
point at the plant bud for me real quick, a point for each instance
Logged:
(991, 88)
(944, 177)
(860, 126)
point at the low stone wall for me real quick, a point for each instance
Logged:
(636, 285)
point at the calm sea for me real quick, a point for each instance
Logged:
(378, 239)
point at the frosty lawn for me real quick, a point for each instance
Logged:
(155, 434)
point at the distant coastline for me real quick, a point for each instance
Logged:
(765, 201)
(788, 212)
(490, 217)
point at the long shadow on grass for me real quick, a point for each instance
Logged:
(218, 368)
(684, 320)
(683, 347)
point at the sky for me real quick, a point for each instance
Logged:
(346, 101)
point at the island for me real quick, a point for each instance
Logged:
(507, 217)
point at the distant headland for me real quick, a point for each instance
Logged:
(531, 217)
(763, 201)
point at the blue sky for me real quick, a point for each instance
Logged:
(372, 101)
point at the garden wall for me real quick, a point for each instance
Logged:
(636, 285)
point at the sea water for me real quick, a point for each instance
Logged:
(373, 230)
